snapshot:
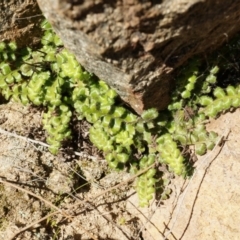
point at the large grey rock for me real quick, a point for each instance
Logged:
(135, 45)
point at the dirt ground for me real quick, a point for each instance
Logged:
(72, 195)
(35, 183)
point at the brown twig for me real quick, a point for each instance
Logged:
(144, 224)
(31, 225)
(36, 196)
(80, 154)
(44, 218)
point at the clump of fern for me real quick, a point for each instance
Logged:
(51, 77)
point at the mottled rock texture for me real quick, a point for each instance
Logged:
(20, 22)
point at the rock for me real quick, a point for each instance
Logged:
(59, 183)
(135, 45)
(205, 206)
(20, 22)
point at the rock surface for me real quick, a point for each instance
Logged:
(20, 22)
(205, 206)
(135, 45)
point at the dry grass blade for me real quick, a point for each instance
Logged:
(80, 154)
(44, 218)
(36, 196)
(31, 226)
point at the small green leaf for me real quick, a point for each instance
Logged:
(26, 70)
(3, 84)
(210, 145)
(200, 148)
(17, 76)
(37, 101)
(236, 102)
(151, 159)
(110, 157)
(130, 129)
(64, 108)
(193, 138)
(181, 138)
(130, 118)
(57, 41)
(50, 57)
(48, 38)
(94, 117)
(175, 106)
(12, 46)
(12, 56)
(65, 119)
(219, 92)
(5, 56)
(122, 157)
(7, 93)
(45, 25)
(5, 68)
(9, 79)
(212, 135)
(55, 102)
(2, 46)
(106, 121)
(150, 191)
(143, 162)
(105, 109)
(150, 125)
(61, 128)
(24, 99)
(151, 173)
(94, 94)
(15, 89)
(202, 136)
(121, 137)
(103, 86)
(190, 87)
(59, 137)
(111, 93)
(211, 79)
(226, 103)
(231, 91)
(150, 114)
(186, 94)
(214, 70)
(113, 164)
(192, 79)
(147, 136)
(118, 112)
(205, 100)
(117, 125)
(108, 147)
(54, 150)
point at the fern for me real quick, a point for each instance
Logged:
(50, 76)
